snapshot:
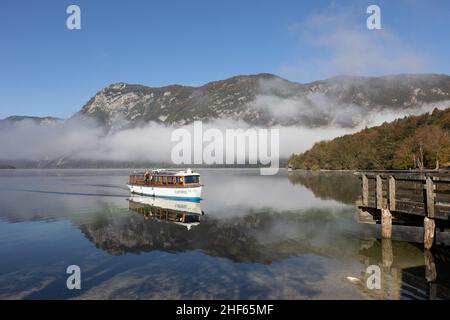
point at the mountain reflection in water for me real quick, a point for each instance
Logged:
(293, 236)
(258, 237)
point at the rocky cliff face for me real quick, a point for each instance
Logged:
(261, 99)
(256, 99)
(124, 105)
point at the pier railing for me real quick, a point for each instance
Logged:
(419, 193)
(416, 193)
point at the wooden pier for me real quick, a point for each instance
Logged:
(406, 197)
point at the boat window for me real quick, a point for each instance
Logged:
(191, 179)
(191, 218)
(169, 180)
(164, 180)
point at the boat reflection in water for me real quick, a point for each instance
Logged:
(185, 213)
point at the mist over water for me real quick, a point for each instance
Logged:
(85, 140)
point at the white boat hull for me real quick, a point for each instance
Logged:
(176, 205)
(184, 193)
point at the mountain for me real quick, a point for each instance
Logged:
(89, 138)
(396, 91)
(414, 142)
(123, 105)
(35, 120)
(261, 100)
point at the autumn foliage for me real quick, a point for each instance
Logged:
(414, 142)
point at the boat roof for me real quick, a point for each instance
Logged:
(168, 172)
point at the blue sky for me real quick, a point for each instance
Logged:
(47, 69)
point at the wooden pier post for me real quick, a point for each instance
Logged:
(429, 227)
(391, 193)
(430, 197)
(386, 224)
(365, 191)
(379, 192)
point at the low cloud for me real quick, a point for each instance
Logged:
(317, 111)
(312, 110)
(81, 140)
(78, 141)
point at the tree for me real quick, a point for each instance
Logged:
(426, 148)
(409, 143)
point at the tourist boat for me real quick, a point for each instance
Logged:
(184, 213)
(179, 185)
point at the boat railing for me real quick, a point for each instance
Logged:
(168, 181)
(136, 179)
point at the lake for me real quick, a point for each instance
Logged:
(294, 235)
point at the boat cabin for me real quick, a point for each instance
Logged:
(165, 178)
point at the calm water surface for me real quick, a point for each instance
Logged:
(289, 236)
